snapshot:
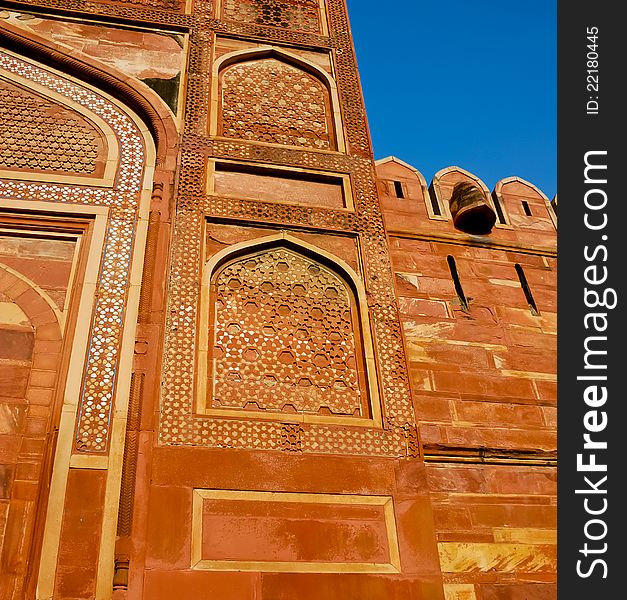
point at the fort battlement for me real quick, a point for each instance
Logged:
(478, 311)
(524, 215)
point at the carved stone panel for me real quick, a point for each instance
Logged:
(37, 134)
(271, 101)
(299, 15)
(285, 337)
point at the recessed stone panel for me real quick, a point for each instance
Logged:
(310, 189)
(292, 532)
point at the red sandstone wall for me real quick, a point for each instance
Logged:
(35, 281)
(280, 500)
(484, 384)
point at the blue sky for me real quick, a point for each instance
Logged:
(463, 83)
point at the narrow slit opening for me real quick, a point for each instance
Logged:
(500, 215)
(527, 291)
(398, 189)
(526, 208)
(435, 205)
(458, 285)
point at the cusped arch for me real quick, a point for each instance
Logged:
(286, 335)
(290, 61)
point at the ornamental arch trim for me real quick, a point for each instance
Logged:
(334, 119)
(92, 427)
(361, 334)
(86, 70)
(126, 200)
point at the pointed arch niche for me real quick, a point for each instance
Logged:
(109, 192)
(272, 96)
(444, 181)
(284, 335)
(47, 136)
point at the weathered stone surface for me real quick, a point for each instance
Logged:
(313, 403)
(499, 557)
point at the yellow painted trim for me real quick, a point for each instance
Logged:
(56, 502)
(182, 95)
(496, 558)
(530, 374)
(211, 182)
(459, 591)
(386, 502)
(294, 567)
(324, 22)
(89, 461)
(72, 277)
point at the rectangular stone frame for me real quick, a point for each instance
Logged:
(198, 563)
(344, 177)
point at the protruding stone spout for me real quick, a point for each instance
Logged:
(470, 210)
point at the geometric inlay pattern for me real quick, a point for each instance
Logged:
(285, 337)
(270, 101)
(299, 15)
(95, 405)
(178, 421)
(38, 134)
